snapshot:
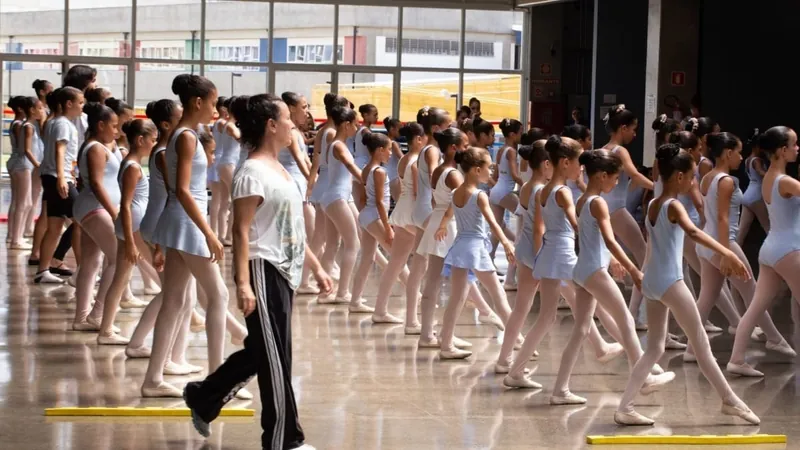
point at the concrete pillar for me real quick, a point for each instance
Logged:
(651, 97)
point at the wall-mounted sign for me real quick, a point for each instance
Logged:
(545, 69)
(538, 93)
(678, 78)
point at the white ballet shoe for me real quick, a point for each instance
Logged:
(522, 382)
(114, 339)
(307, 290)
(171, 368)
(454, 353)
(632, 418)
(742, 412)
(73, 280)
(335, 272)
(132, 303)
(20, 246)
(140, 352)
(360, 308)
(656, 370)
(386, 318)
(534, 356)
(96, 323)
(673, 336)
(567, 398)
(711, 328)
(614, 351)
(461, 343)
(758, 335)
(244, 394)
(781, 347)
(413, 329)
(85, 326)
(163, 390)
(504, 368)
(732, 330)
(334, 299)
(428, 343)
(492, 319)
(674, 344)
(192, 368)
(745, 370)
(655, 382)
(47, 278)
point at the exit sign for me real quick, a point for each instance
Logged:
(678, 78)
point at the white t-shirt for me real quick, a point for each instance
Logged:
(81, 124)
(59, 129)
(277, 233)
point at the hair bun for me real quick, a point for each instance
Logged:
(667, 151)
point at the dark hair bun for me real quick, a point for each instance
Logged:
(667, 152)
(586, 158)
(459, 157)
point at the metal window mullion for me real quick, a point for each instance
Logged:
(461, 56)
(270, 43)
(397, 81)
(335, 71)
(525, 79)
(201, 61)
(65, 47)
(131, 94)
(1, 102)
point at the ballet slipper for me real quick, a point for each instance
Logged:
(96, 323)
(521, 382)
(163, 390)
(655, 382)
(113, 339)
(745, 370)
(413, 329)
(614, 351)
(504, 368)
(461, 343)
(743, 412)
(758, 335)
(656, 370)
(360, 308)
(139, 352)
(673, 344)
(492, 319)
(711, 328)
(386, 318)
(632, 418)
(132, 303)
(454, 353)
(428, 342)
(781, 347)
(307, 290)
(172, 368)
(85, 326)
(567, 398)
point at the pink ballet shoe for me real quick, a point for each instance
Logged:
(742, 412)
(632, 418)
(521, 382)
(360, 308)
(782, 347)
(415, 329)
(492, 319)
(655, 382)
(163, 390)
(567, 398)
(386, 318)
(614, 351)
(139, 352)
(113, 339)
(745, 370)
(454, 353)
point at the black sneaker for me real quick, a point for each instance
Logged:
(202, 427)
(61, 272)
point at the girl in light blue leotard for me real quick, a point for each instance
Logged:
(621, 125)
(217, 187)
(374, 218)
(469, 253)
(723, 200)
(753, 206)
(779, 258)
(583, 135)
(392, 126)
(361, 156)
(663, 286)
(341, 171)
(226, 165)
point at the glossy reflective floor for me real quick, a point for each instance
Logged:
(359, 386)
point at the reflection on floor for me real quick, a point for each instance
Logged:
(359, 386)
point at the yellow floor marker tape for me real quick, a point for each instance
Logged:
(730, 439)
(140, 412)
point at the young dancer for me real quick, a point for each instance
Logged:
(217, 188)
(753, 205)
(403, 222)
(438, 238)
(58, 182)
(294, 159)
(433, 120)
(96, 209)
(469, 254)
(554, 227)
(538, 162)
(583, 135)
(269, 252)
(392, 126)
(599, 253)
(361, 156)
(374, 217)
(621, 125)
(663, 286)
(25, 142)
(507, 176)
(341, 171)
(134, 189)
(702, 128)
(778, 258)
(225, 167)
(191, 247)
(34, 151)
(723, 200)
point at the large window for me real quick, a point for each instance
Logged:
(426, 33)
(313, 85)
(364, 31)
(368, 88)
(418, 90)
(109, 33)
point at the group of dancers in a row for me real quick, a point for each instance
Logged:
(295, 216)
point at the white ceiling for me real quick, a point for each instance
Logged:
(468, 4)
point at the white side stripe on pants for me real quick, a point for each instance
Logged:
(275, 364)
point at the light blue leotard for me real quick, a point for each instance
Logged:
(558, 246)
(711, 199)
(290, 164)
(157, 198)
(594, 254)
(470, 249)
(784, 233)
(361, 153)
(665, 255)
(87, 201)
(617, 197)
(340, 181)
(524, 247)
(370, 212)
(139, 201)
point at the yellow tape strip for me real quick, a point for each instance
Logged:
(688, 440)
(140, 412)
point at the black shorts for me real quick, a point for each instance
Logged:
(57, 206)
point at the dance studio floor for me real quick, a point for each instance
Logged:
(359, 386)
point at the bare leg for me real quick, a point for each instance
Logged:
(52, 233)
(39, 231)
(395, 189)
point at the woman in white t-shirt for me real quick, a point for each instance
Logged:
(269, 250)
